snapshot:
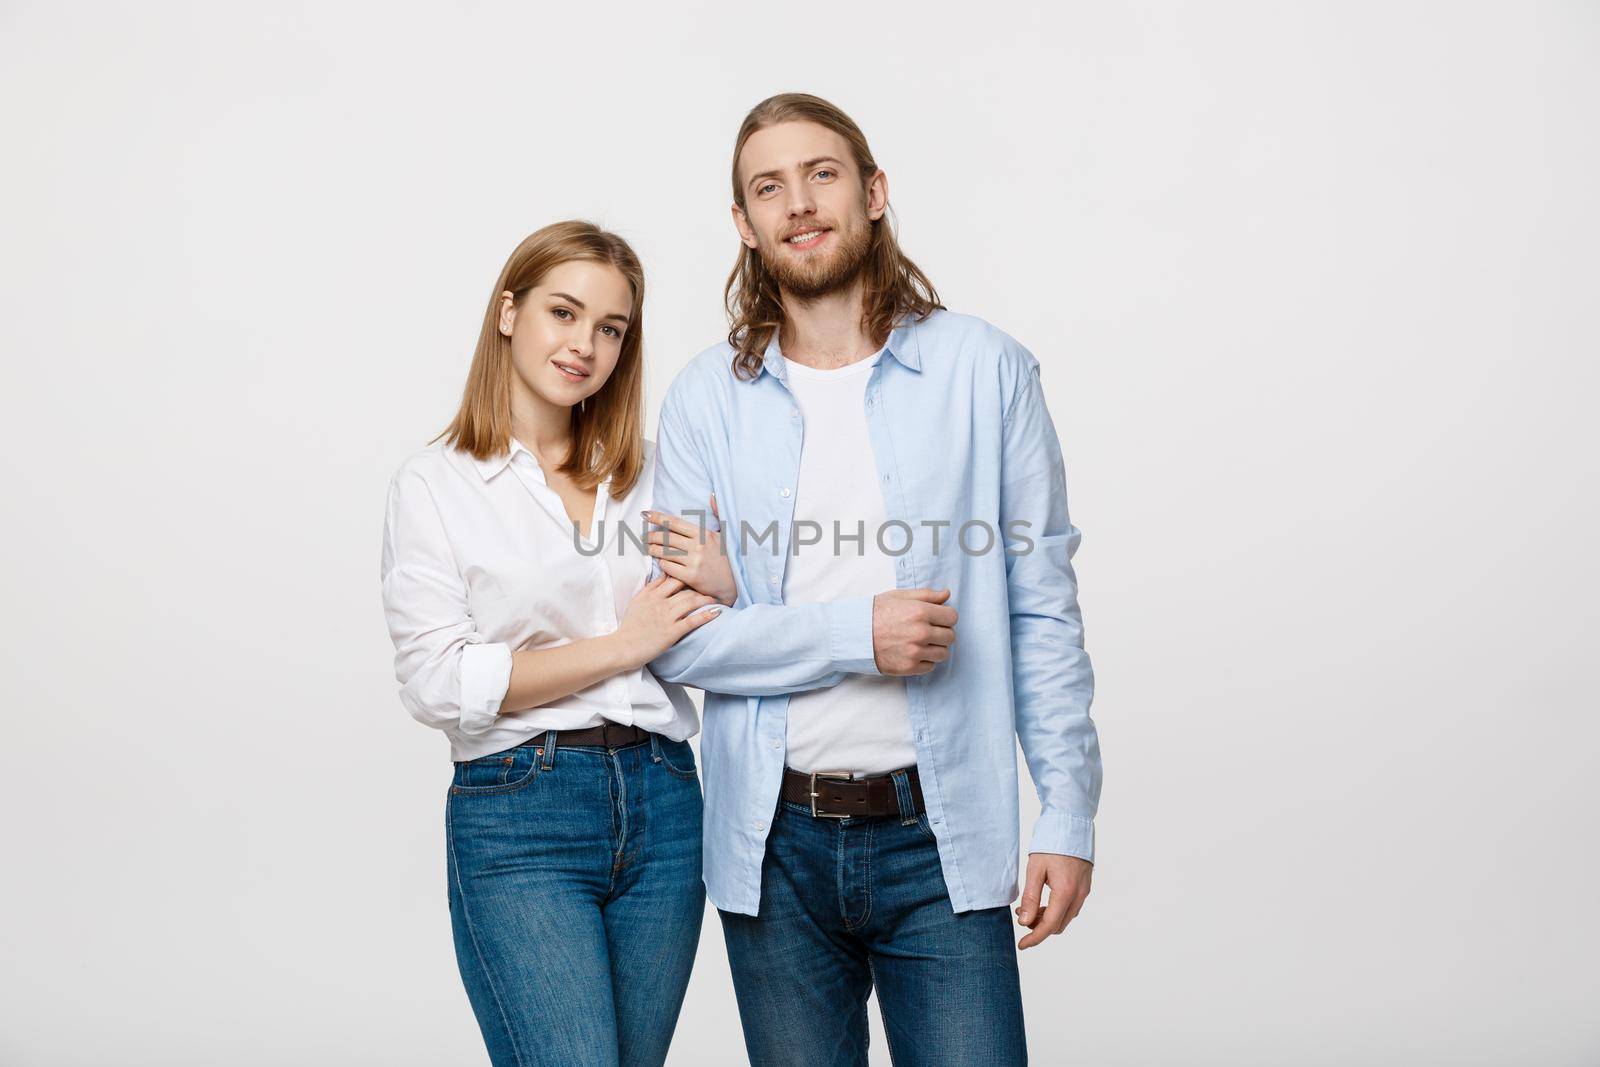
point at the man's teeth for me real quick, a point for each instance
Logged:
(802, 238)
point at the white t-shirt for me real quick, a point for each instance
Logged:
(863, 724)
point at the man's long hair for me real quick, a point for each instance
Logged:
(892, 285)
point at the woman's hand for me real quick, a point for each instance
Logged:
(657, 616)
(701, 565)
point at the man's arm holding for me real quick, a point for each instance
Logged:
(754, 649)
(1052, 679)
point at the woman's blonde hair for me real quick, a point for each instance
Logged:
(894, 285)
(608, 428)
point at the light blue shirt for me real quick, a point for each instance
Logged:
(960, 434)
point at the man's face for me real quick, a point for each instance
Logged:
(805, 213)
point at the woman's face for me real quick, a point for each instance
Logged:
(567, 335)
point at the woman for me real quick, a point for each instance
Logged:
(573, 818)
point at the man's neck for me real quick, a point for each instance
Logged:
(825, 333)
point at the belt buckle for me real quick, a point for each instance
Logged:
(832, 776)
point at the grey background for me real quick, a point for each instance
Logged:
(1314, 289)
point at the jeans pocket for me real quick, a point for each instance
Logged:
(678, 758)
(498, 772)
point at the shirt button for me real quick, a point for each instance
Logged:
(773, 579)
(784, 491)
(776, 743)
(794, 413)
(760, 825)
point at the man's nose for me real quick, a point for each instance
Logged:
(801, 201)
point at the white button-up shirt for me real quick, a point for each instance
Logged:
(479, 560)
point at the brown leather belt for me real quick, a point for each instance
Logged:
(836, 796)
(607, 734)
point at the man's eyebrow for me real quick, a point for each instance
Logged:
(807, 165)
(569, 298)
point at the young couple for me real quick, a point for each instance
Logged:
(826, 489)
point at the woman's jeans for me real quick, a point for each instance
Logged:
(576, 898)
(849, 905)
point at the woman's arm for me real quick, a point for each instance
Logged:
(544, 675)
(655, 619)
(450, 677)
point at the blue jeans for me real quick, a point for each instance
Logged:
(576, 898)
(852, 904)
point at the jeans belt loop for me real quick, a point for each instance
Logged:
(902, 793)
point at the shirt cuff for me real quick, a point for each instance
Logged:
(485, 677)
(850, 635)
(1063, 834)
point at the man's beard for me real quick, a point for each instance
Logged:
(817, 277)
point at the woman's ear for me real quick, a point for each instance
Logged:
(508, 312)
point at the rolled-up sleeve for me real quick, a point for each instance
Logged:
(449, 676)
(1052, 680)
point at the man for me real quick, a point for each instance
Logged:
(877, 463)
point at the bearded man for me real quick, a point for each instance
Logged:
(877, 463)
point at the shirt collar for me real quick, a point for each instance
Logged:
(488, 468)
(902, 345)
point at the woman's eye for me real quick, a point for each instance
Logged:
(614, 332)
(560, 312)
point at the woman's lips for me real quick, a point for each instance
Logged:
(561, 369)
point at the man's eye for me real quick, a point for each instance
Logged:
(820, 173)
(764, 188)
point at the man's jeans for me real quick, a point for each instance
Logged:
(852, 904)
(576, 899)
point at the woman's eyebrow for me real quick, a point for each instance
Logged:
(569, 298)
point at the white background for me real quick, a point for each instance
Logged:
(1314, 288)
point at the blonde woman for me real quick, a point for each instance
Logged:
(516, 588)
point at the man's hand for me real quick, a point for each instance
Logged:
(1068, 879)
(912, 630)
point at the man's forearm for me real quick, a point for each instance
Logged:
(770, 649)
